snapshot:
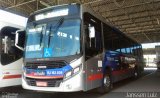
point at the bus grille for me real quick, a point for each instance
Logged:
(49, 65)
(50, 82)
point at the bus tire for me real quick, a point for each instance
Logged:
(106, 83)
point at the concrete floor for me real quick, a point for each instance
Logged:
(147, 86)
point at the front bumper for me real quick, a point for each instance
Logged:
(73, 84)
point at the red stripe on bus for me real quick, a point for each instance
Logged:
(95, 77)
(119, 72)
(12, 76)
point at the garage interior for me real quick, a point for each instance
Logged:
(138, 19)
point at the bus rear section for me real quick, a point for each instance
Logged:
(11, 57)
(123, 65)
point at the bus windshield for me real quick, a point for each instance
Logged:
(53, 39)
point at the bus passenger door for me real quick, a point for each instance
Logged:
(93, 58)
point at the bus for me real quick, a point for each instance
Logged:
(10, 56)
(70, 48)
(157, 49)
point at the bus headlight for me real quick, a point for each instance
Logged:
(72, 72)
(76, 70)
(68, 74)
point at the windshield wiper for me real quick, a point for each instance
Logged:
(41, 36)
(58, 24)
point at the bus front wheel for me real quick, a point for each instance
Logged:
(106, 83)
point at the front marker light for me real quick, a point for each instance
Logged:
(24, 71)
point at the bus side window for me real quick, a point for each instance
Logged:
(128, 50)
(123, 50)
(93, 44)
(91, 47)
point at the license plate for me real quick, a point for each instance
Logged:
(39, 83)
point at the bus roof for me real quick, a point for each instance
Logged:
(4, 24)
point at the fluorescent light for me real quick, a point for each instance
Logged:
(45, 4)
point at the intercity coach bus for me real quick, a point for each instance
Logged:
(10, 56)
(70, 48)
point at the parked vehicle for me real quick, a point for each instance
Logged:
(10, 56)
(70, 48)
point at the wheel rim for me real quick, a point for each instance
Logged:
(107, 81)
(135, 74)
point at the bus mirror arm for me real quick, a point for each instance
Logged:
(16, 40)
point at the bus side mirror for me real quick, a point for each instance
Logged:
(19, 39)
(91, 32)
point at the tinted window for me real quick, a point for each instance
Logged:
(93, 45)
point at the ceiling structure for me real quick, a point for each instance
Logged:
(139, 19)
